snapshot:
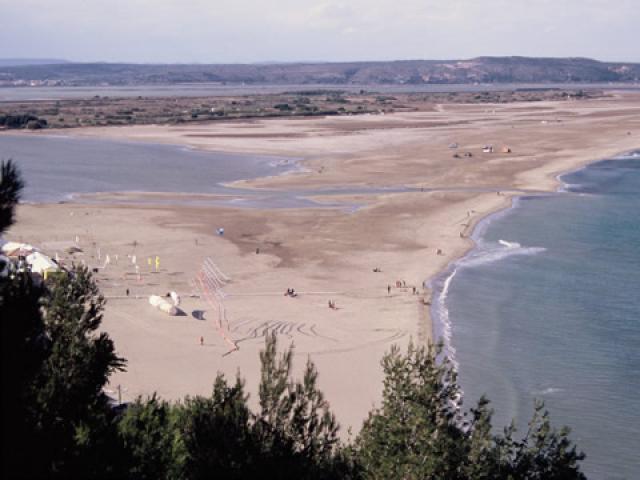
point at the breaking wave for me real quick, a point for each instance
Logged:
(546, 391)
(493, 253)
(486, 253)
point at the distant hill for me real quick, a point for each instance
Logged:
(15, 62)
(476, 70)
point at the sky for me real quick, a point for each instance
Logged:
(250, 31)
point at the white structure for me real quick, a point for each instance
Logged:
(162, 305)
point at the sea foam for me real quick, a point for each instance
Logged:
(483, 254)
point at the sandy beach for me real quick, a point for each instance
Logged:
(325, 254)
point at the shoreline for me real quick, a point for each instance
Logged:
(487, 347)
(440, 282)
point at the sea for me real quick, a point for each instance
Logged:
(547, 307)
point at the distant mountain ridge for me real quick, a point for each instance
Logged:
(16, 62)
(401, 72)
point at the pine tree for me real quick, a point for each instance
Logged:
(421, 432)
(414, 434)
(151, 444)
(546, 453)
(217, 435)
(295, 427)
(24, 347)
(54, 367)
(11, 185)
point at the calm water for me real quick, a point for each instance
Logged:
(56, 167)
(548, 307)
(214, 90)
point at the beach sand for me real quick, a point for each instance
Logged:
(323, 253)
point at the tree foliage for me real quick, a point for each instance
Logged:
(54, 364)
(294, 420)
(11, 186)
(421, 431)
(148, 436)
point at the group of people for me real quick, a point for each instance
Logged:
(402, 284)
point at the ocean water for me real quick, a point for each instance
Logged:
(548, 307)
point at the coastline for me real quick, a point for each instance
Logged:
(539, 344)
(439, 282)
(325, 253)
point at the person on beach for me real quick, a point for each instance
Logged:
(201, 341)
(388, 289)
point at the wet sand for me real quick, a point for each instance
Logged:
(324, 254)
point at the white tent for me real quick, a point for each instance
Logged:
(41, 263)
(15, 248)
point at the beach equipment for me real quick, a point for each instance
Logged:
(175, 297)
(17, 249)
(211, 281)
(40, 263)
(163, 305)
(487, 149)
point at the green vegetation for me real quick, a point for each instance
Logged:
(106, 111)
(57, 422)
(22, 121)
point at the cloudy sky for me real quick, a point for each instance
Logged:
(231, 31)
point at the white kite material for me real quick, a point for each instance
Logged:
(162, 305)
(176, 298)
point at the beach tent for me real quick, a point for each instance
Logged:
(16, 249)
(41, 264)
